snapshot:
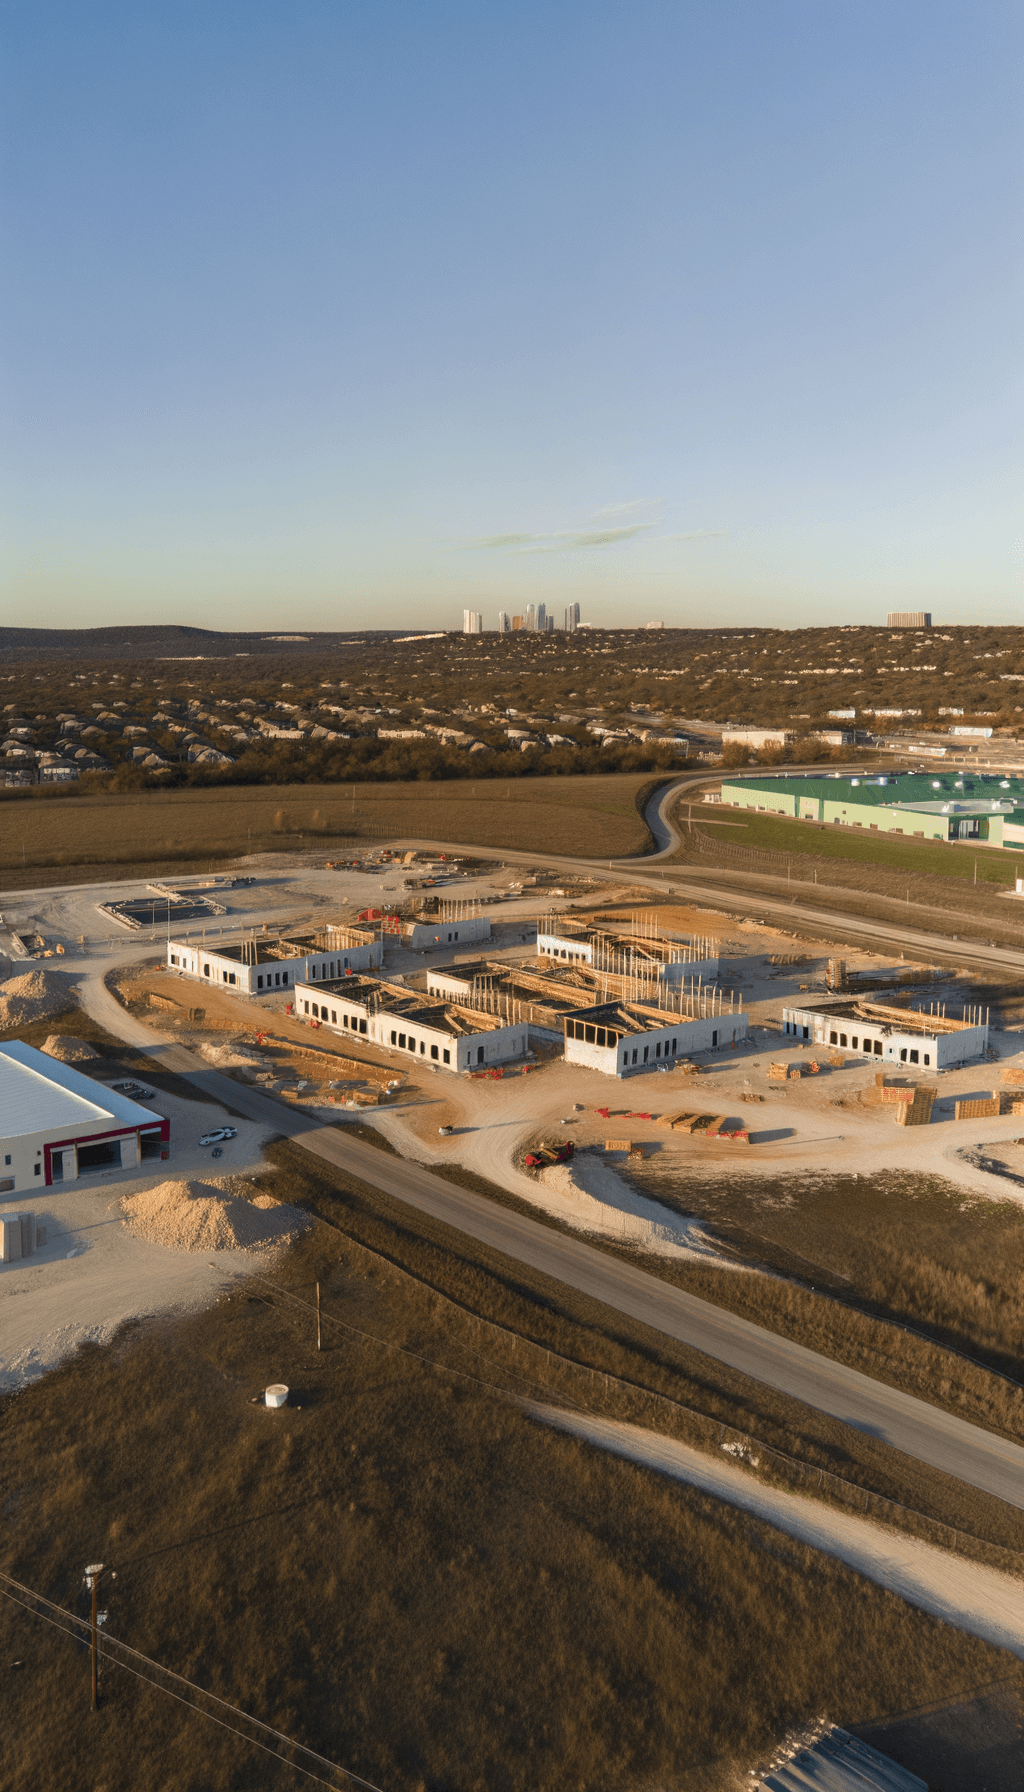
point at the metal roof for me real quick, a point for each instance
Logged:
(896, 789)
(39, 1094)
(840, 1762)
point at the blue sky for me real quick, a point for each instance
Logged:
(351, 315)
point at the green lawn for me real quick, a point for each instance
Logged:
(771, 834)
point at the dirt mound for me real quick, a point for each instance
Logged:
(68, 1049)
(209, 1216)
(35, 995)
(233, 1056)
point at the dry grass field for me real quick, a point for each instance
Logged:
(150, 831)
(403, 1571)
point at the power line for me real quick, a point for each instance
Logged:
(158, 1676)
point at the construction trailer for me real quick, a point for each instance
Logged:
(258, 966)
(58, 1124)
(639, 951)
(453, 1036)
(929, 1038)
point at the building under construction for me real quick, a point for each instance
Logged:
(637, 950)
(452, 1035)
(613, 1021)
(257, 965)
(895, 1035)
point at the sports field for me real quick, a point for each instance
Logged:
(151, 830)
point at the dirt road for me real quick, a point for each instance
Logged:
(977, 1599)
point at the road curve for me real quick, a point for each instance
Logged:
(981, 1458)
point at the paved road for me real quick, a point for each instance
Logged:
(912, 1426)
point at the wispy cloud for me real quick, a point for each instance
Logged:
(695, 535)
(563, 541)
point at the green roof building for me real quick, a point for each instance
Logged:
(932, 805)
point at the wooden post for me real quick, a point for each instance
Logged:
(318, 1345)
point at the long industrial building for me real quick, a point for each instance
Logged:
(623, 1038)
(452, 1035)
(58, 1124)
(931, 805)
(893, 1035)
(263, 967)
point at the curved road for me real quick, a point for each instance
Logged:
(981, 1458)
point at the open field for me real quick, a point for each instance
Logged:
(372, 1573)
(147, 831)
(769, 833)
(848, 1252)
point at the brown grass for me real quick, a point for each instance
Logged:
(163, 830)
(115, 1054)
(407, 1574)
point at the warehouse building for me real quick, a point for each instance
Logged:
(58, 1124)
(262, 967)
(932, 805)
(890, 1034)
(453, 1036)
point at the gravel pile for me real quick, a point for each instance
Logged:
(209, 1216)
(35, 995)
(68, 1049)
(232, 1056)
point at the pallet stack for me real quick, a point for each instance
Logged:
(985, 1109)
(918, 1111)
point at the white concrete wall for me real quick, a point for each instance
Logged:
(925, 1051)
(644, 1051)
(421, 935)
(573, 951)
(353, 1019)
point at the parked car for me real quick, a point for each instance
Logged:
(134, 1090)
(218, 1137)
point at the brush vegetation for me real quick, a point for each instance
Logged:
(408, 1574)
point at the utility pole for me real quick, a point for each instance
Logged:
(92, 1581)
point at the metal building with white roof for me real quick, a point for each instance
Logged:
(57, 1124)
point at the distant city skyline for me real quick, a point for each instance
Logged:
(305, 326)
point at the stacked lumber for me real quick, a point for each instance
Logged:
(777, 1073)
(1014, 1076)
(892, 1093)
(837, 1061)
(618, 1144)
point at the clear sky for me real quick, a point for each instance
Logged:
(349, 315)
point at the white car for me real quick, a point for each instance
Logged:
(218, 1137)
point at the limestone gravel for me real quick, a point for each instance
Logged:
(189, 1215)
(68, 1049)
(35, 995)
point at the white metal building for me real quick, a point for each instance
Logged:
(57, 1125)
(452, 1035)
(892, 1035)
